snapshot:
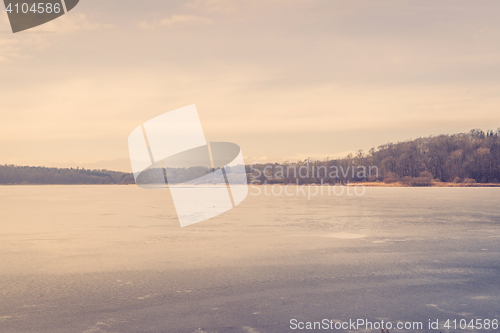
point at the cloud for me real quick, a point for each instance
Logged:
(8, 49)
(12, 46)
(212, 5)
(174, 20)
(26, 43)
(70, 23)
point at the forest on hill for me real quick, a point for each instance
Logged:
(472, 157)
(466, 157)
(11, 174)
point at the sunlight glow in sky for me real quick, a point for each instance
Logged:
(283, 79)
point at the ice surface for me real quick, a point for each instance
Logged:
(114, 259)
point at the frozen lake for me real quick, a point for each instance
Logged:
(114, 259)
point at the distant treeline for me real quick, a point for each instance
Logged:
(191, 175)
(466, 157)
(11, 174)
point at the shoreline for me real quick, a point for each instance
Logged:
(433, 184)
(367, 184)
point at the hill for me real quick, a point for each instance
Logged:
(465, 157)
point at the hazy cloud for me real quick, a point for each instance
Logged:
(72, 22)
(27, 43)
(8, 48)
(224, 6)
(174, 20)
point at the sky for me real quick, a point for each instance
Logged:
(285, 80)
